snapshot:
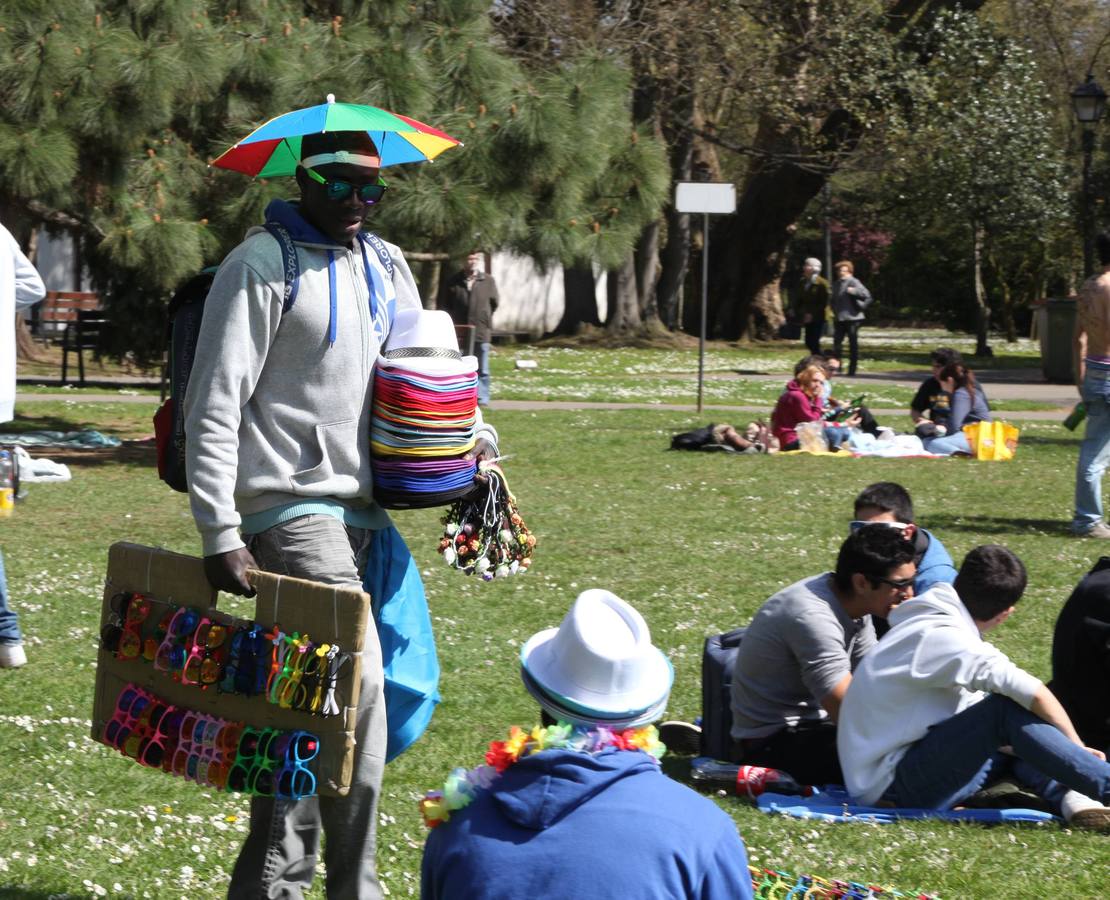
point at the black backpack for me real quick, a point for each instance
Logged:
(184, 315)
(718, 657)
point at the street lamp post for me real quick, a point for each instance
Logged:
(1089, 102)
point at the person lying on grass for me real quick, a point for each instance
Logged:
(934, 712)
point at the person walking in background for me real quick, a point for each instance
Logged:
(810, 302)
(472, 300)
(849, 299)
(1092, 377)
(20, 287)
(967, 405)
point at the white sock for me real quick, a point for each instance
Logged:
(1073, 802)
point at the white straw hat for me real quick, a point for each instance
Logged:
(424, 341)
(599, 665)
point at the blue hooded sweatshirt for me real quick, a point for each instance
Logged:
(935, 567)
(566, 824)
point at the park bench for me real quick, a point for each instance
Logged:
(75, 317)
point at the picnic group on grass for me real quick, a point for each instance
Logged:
(877, 674)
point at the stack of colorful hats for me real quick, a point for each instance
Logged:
(424, 413)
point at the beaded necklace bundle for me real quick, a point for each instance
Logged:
(462, 786)
(484, 533)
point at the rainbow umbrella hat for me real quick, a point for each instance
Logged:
(275, 148)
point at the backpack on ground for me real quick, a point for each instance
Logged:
(718, 657)
(184, 314)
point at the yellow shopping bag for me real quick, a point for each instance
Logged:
(992, 440)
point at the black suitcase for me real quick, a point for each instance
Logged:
(717, 660)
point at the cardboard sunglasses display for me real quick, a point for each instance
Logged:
(256, 698)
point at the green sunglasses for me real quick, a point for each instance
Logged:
(340, 190)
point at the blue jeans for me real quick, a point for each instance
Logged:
(959, 755)
(278, 858)
(9, 621)
(483, 373)
(948, 444)
(836, 435)
(1094, 451)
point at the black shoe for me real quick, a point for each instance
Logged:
(681, 737)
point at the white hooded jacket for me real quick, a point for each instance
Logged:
(931, 665)
(20, 287)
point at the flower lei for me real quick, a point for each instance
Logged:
(484, 533)
(462, 786)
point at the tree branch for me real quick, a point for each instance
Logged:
(40, 212)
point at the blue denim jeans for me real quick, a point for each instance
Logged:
(9, 621)
(960, 755)
(948, 444)
(836, 435)
(483, 372)
(278, 858)
(1094, 451)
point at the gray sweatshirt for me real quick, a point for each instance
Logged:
(275, 413)
(849, 307)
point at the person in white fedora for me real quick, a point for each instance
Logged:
(580, 801)
(279, 468)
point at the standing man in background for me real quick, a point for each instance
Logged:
(810, 303)
(472, 300)
(20, 288)
(1092, 377)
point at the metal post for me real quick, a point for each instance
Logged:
(1087, 211)
(826, 198)
(704, 305)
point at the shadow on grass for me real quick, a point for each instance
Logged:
(941, 523)
(1049, 441)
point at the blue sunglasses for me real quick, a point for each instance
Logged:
(338, 190)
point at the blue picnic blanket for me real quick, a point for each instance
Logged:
(832, 804)
(88, 439)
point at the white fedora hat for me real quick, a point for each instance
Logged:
(424, 340)
(598, 664)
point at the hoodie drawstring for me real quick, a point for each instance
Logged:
(333, 323)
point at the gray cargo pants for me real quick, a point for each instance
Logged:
(278, 858)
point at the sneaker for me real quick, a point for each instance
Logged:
(1101, 530)
(12, 656)
(681, 737)
(1096, 818)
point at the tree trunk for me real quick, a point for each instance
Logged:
(982, 311)
(431, 272)
(580, 301)
(646, 262)
(25, 347)
(751, 249)
(624, 304)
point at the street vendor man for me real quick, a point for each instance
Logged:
(277, 414)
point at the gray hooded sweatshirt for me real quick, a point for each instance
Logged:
(277, 413)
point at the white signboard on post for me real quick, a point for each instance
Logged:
(707, 199)
(698, 197)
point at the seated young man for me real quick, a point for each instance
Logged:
(889, 503)
(582, 806)
(797, 656)
(1081, 657)
(931, 708)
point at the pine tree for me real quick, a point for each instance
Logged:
(111, 111)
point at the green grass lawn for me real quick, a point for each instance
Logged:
(696, 541)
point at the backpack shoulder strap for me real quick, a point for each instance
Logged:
(380, 248)
(290, 263)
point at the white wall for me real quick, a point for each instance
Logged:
(54, 261)
(532, 300)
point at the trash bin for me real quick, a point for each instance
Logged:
(1056, 329)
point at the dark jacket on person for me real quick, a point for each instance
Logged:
(566, 824)
(812, 298)
(1081, 657)
(474, 305)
